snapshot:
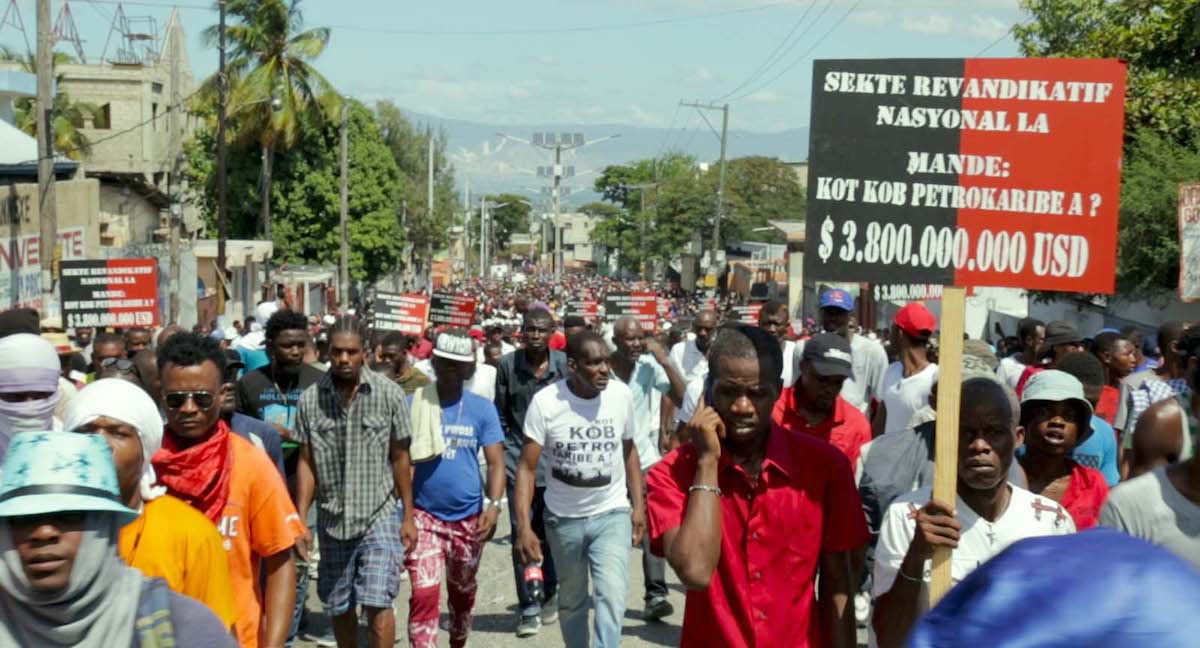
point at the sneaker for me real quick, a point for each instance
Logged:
(325, 639)
(550, 611)
(658, 609)
(529, 626)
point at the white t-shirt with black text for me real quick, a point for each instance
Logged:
(904, 396)
(1027, 516)
(582, 445)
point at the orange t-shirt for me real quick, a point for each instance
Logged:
(259, 521)
(175, 542)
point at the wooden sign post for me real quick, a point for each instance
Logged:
(964, 172)
(945, 473)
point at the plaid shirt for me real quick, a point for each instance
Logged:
(351, 450)
(1143, 396)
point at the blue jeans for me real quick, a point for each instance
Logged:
(596, 546)
(529, 607)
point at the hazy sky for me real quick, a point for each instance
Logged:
(533, 61)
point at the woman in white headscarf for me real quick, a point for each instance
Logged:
(29, 375)
(169, 539)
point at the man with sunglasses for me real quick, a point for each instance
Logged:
(231, 482)
(522, 374)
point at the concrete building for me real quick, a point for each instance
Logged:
(133, 155)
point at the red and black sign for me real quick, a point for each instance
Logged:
(975, 172)
(449, 309)
(117, 292)
(748, 314)
(401, 312)
(642, 305)
(588, 309)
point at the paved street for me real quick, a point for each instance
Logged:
(495, 620)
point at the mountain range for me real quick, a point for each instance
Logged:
(492, 164)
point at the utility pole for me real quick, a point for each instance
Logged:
(716, 243)
(466, 242)
(49, 254)
(344, 269)
(222, 198)
(429, 213)
(175, 123)
(558, 143)
(641, 189)
(482, 234)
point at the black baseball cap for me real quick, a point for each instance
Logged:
(829, 355)
(1059, 333)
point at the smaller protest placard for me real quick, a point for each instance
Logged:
(747, 314)
(642, 305)
(402, 312)
(588, 309)
(450, 309)
(1189, 241)
(113, 292)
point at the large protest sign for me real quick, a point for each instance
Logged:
(113, 292)
(21, 269)
(401, 312)
(642, 305)
(985, 172)
(450, 309)
(1189, 241)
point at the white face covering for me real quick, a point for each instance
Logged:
(28, 363)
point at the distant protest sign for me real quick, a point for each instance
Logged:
(113, 292)
(747, 314)
(642, 305)
(966, 172)
(588, 309)
(450, 309)
(1189, 241)
(406, 313)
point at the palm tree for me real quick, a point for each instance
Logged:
(273, 84)
(69, 116)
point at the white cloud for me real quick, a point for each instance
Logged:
(870, 18)
(763, 97)
(987, 28)
(700, 75)
(933, 24)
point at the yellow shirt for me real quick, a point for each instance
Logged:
(175, 542)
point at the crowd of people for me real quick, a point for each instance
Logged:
(182, 487)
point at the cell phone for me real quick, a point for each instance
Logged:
(708, 390)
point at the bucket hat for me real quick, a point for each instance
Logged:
(49, 472)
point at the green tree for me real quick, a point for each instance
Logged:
(70, 117)
(512, 218)
(307, 192)
(1160, 41)
(1148, 237)
(409, 145)
(759, 190)
(274, 88)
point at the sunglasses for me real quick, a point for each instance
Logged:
(122, 365)
(203, 399)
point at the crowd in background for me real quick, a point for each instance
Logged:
(781, 468)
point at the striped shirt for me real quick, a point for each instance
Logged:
(351, 450)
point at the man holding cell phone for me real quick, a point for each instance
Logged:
(730, 512)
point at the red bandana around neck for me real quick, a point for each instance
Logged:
(198, 475)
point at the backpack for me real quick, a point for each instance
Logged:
(152, 627)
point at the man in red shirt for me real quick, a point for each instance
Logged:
(747, 512)
(814, 404)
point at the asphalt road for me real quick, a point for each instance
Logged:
(496, 603)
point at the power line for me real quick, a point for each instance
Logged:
(779, 52)
(667, 133)
(500, 32)
(996, 42)
(803, 56)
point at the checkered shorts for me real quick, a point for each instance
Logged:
(364, 571)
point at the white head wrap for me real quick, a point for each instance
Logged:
(28, 363)
(123, 401)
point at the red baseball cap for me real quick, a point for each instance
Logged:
(916, 320)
